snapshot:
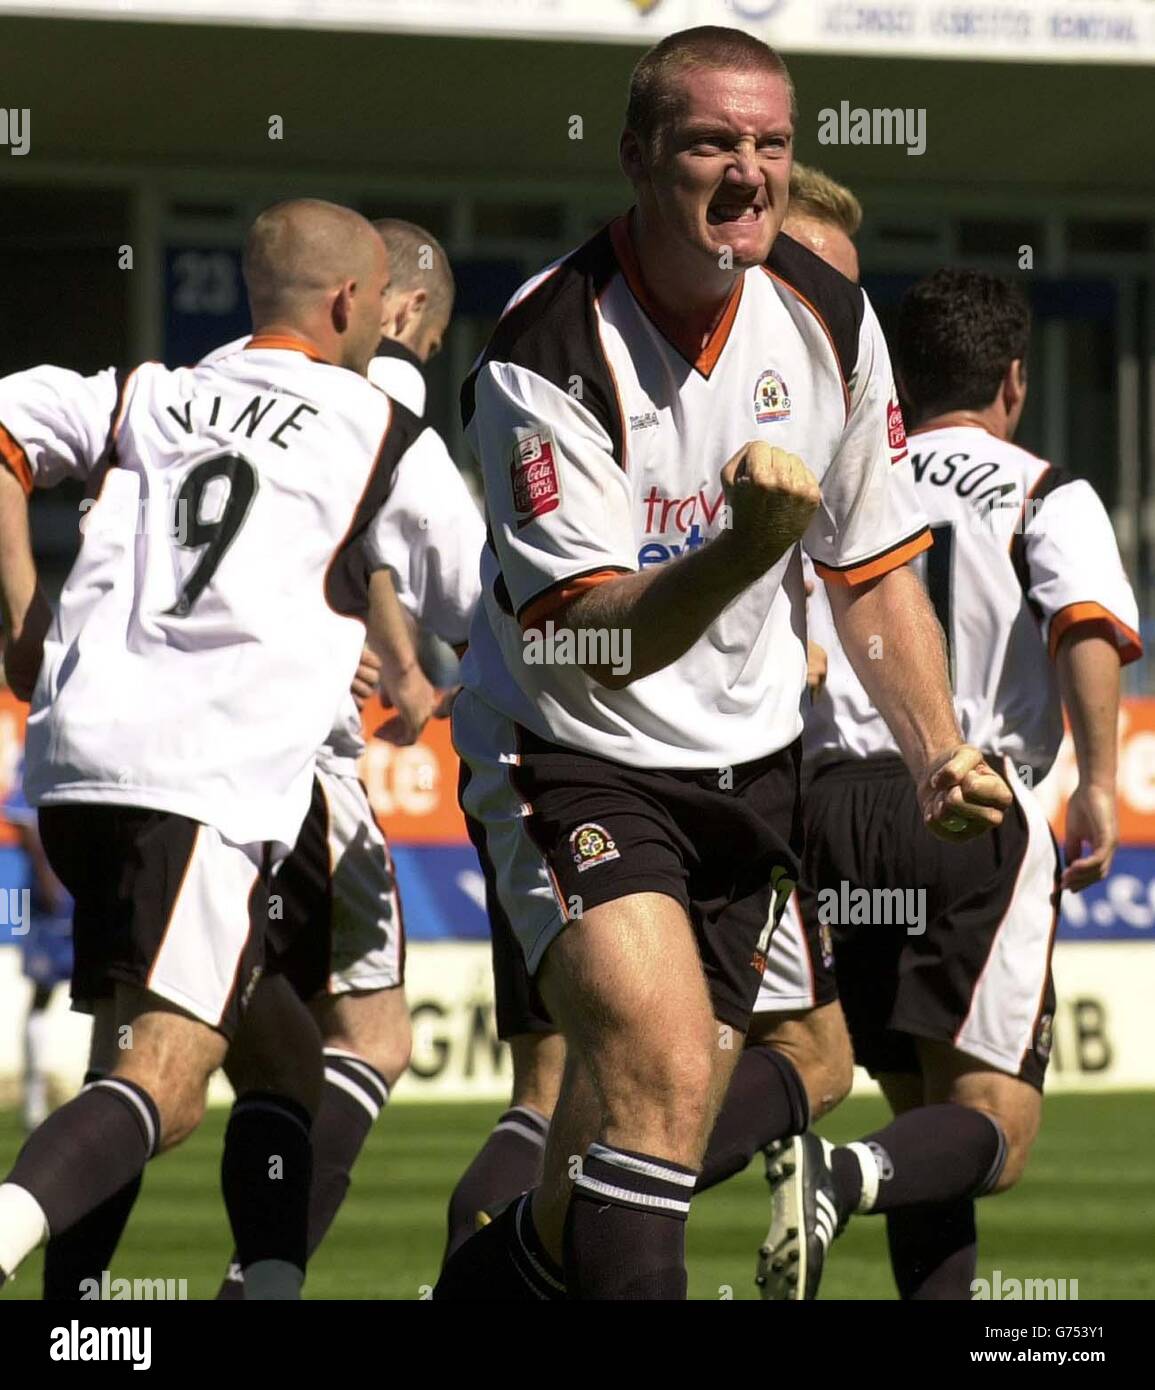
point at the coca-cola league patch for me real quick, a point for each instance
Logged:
(895, 430)
(536, 486)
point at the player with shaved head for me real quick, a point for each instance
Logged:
(295, 254)
(340, 923)
(206, 635)
(418, 307)
(661, 417)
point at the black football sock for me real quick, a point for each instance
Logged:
(933, 1250)
(508, 1164)
(935, 1153)
(625, 1230)
(503, 1262)
(266, 1169)
(85, 1250)
(352, 1097)
(88, 1151)
(766, 1101)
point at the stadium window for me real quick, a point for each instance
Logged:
(907, 234)
(185, 210)
(990, 237)
(434, 217)
(518, 221)
(65, 239)
(1114, 238)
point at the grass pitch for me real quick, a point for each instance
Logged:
(1085, 1210)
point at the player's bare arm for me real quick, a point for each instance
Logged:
(771, 495)
(25, 610)
(1088, 670)
(402, 679)
(367, 678)
(906, 678)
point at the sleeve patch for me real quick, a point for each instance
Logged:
(895, 430)
(534, 476)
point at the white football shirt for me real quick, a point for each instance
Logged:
(398, 372)
(1022, 553)
(215, 611)
(429, 534)
(602, 445)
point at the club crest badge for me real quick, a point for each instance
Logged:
(591, 845)
(771, 398)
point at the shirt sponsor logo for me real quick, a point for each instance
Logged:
(591, 844)
(895, 430)
(771, 398)
(648, 420)
(533, 472)
(686, 516)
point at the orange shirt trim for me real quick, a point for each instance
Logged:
(880, 565)
(1128, 641)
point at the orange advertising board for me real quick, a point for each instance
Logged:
(1136, 780)
(413, 790)
(13, 717)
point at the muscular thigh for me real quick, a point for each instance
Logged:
(951, 1076)
(627, 984)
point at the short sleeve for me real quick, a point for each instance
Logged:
(557, 501)
(54, 423)
(870, 519)
(430, 534)
(1074, 572)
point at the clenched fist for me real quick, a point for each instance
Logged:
(772, 495)
(962, 796)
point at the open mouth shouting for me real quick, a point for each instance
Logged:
(727, 213)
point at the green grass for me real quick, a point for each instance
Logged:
(1085, 1210)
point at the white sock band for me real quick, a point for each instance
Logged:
(868, 1166)
(22, 1226)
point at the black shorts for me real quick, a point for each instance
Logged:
(336, 924)
(301, 898)
(518, 1005)
(933, 940)
(799, 974)
(162, 902)
(718, 841)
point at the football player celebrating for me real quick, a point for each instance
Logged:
(633, 794)
(221, 569)
(954, 1018)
